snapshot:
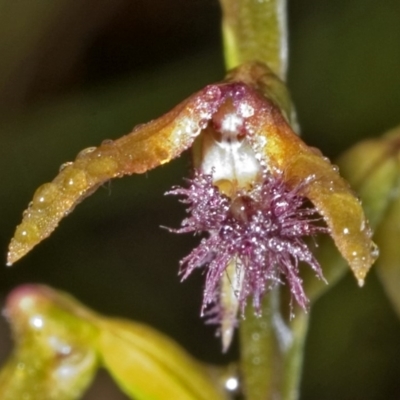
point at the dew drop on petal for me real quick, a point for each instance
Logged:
(74, 180)
(36, 322)
(246, 110)
(45, 195)
(105, 166)
(65, 165)
(27, 233)
(83, 153)
(374, 251)
(203, 123)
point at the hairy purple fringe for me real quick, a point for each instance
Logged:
(261, 229)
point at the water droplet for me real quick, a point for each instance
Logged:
(188, 127)
(85, 152)
(45, 195)
(203, 123)
(27, 233)
(107, 142)
(74, 179)
(346, 231)
(36, 322)
(60, 347)
(102, 167)
(212, 92)
(374, 251)
(246, 110)
(310, 178)
(65, 165)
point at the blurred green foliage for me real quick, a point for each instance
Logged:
(73, 75)
(59, 344)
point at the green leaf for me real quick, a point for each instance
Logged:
(148, 366)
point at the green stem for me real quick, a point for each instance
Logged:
(272, 351)
(271, 347)
(255, 30)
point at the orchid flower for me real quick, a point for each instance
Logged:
(257, 190)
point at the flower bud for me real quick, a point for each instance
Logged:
(373, 169)
(53, 356)
(59, 344)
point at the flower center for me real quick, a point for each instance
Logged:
(226, 153)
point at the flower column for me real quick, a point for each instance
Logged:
(271, 346)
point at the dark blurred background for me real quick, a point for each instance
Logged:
(75, 73)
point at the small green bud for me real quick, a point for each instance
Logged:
(373, 169)
(52, 358)
(59, 344)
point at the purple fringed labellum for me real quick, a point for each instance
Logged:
(260, 230)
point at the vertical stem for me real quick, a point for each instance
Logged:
(293, 357)
(272, 351)
(271, 348)
(255, 30)
(260, 359)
